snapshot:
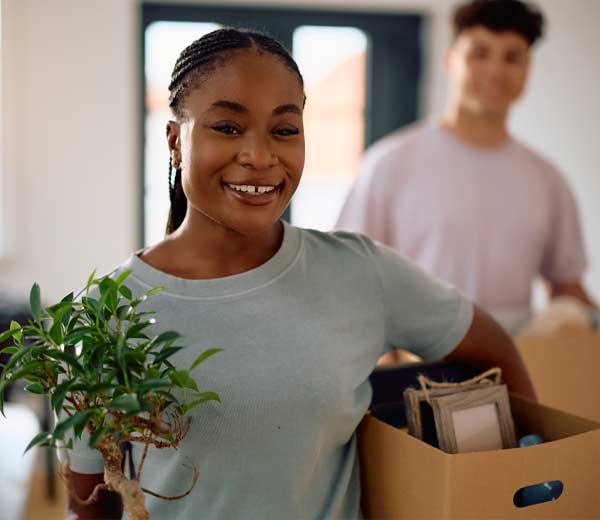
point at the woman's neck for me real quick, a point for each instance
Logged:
(201, 249)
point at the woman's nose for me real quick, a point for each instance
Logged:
(258, 154)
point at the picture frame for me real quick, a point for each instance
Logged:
(419, 413)
(474, 419)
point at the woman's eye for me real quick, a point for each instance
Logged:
(286, 132)
(227, 129)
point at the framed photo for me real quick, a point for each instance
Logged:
(475, 419)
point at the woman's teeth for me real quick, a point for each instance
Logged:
(253, 190)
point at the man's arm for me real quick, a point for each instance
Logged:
(487, 345)
(573, 289)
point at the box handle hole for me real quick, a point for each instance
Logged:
(538, 493)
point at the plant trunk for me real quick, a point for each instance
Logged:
(130, 490)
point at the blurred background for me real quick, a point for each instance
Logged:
(83, 158)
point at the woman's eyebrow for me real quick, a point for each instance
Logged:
(284, 109)
(230, 105)
(241, 109)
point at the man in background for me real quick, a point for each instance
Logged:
(461, 196)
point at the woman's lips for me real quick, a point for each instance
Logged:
(254, 198)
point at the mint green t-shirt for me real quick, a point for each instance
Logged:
(301, 334)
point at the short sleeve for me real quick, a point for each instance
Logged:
(422, 314)
(564, 257)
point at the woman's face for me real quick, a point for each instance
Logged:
(242, 143)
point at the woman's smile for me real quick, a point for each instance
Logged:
(255, 194)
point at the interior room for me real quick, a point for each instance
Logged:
(84, 158)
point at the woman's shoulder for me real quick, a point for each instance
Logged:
(342, 243)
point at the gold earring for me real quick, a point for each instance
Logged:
(175, 163)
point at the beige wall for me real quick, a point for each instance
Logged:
(69, 122)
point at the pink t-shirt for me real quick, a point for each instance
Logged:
(486, 221)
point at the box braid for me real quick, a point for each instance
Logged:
(194, 64)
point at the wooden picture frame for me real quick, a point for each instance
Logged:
(474, 419)
(419, 414)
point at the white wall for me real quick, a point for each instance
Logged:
(70, 147)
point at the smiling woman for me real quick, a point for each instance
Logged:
(293, 375)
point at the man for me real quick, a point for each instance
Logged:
(463, 198)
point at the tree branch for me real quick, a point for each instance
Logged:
(195, 479)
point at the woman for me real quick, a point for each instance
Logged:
(302, 316)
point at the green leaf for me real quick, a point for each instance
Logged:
(125, 291)
(70, 360)
(9, 350)
(60, 307)
(101, 388)
(153, 372)
(183, 379)
(77, 334)
(169, 335)
(15, 326)
(168, 396)
(80, 418)
(7, 334)
(127, 403)
(164, 354)
(108, 294)
(35, 388)
(123, 276)
(16, 358)
(204, 356)
(38, 439)
(35, 302)
(202, 397)
(153, 384)
(156, 290)
(91, 302)
(59, 394)
(124, 311)
(135, 330)
(25, 370)
(90, 281)
(120, 353)
(56, 332)
(80, 426)
(97, 359)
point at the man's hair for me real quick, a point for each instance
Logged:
(500, 15)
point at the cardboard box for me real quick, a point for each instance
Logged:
(566, 371)
(405, 478)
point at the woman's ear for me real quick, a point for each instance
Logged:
(173, 138)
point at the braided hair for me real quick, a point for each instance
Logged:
(194, 64)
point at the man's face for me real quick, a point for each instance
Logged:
(487, 70)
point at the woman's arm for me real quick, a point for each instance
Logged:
(108, 506)
(487, 345)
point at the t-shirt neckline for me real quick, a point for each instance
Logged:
(226, 287)
(457, 141)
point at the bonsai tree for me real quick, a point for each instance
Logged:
(105, 376)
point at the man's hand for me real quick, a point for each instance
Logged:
(573, 289)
